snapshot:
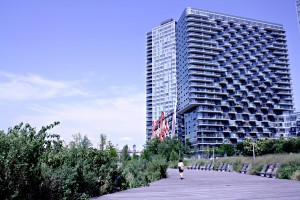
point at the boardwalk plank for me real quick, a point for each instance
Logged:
(212, 185)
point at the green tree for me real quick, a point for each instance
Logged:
(188, 148)
(174, 156)
(125, 153)
(240, 148)
(207, 152)
(103, 139)
(112, 150)
(22, 154)
(266, 146)
(289, 145)
(150, 148)
(248, 147)
(278, 145)
(226, 150)
(135, 157)
(297, 145)
(81, 142)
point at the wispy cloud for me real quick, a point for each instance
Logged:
(124, 90)
(122, 119)
(16, 87)
(117, 111)
(126, 139)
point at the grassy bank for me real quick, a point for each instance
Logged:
(290, 164)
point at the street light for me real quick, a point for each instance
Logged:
(253, 150)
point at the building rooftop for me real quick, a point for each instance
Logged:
(233, 17)
(166, 21)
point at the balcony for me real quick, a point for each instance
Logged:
(252, 118)
(234, 135)
(282, 53)
(208, 116)
(253, 130)
(205, 96)
(214, 110)
(210, 142)
(210, 124)
(213, 135)
(197, 34)
(232, 111)
(224, 104)
(240, 130)
(232, 123)
(202, 62)
(192, 26)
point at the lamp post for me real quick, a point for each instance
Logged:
(213, 155)
(253, 150)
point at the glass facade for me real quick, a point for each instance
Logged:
(161, 72)
(286, 124)
(229, 77)
(149, 85)
(233, 78)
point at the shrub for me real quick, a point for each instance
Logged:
(134, 172)
(286, 171)
(157, 168)
(35, 165)
(296, 175)
(142, 172)
(174, 156)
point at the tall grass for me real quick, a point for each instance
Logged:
(290, 164)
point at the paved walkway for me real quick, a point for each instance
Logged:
(212, 185)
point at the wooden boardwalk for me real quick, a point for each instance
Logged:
(212, 185)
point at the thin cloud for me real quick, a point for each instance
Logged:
(117, 111)
(126, 139)
(117, 117)
(19, 87)
(122, 90)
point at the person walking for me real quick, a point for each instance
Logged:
(181, 168)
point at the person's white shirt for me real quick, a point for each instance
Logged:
(181, 165)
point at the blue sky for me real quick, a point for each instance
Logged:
(83, 62)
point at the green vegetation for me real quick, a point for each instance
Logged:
(167, 149)
(290, 164)
(36, 165)
(261, 147)
(284, 151)
(226, 149)
(269, 146)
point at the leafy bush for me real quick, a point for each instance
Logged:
(22, 154)
(296, 175)
(226, 149)
(35, 165)
(174, 156)
(165, 148)
(157, 168)
(134, 172)
(141, 172)
(286, 171)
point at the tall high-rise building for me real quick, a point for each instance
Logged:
(161, 87)
(233, 78)
(149, 86)
(298, 11)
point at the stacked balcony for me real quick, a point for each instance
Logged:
(253, 85)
